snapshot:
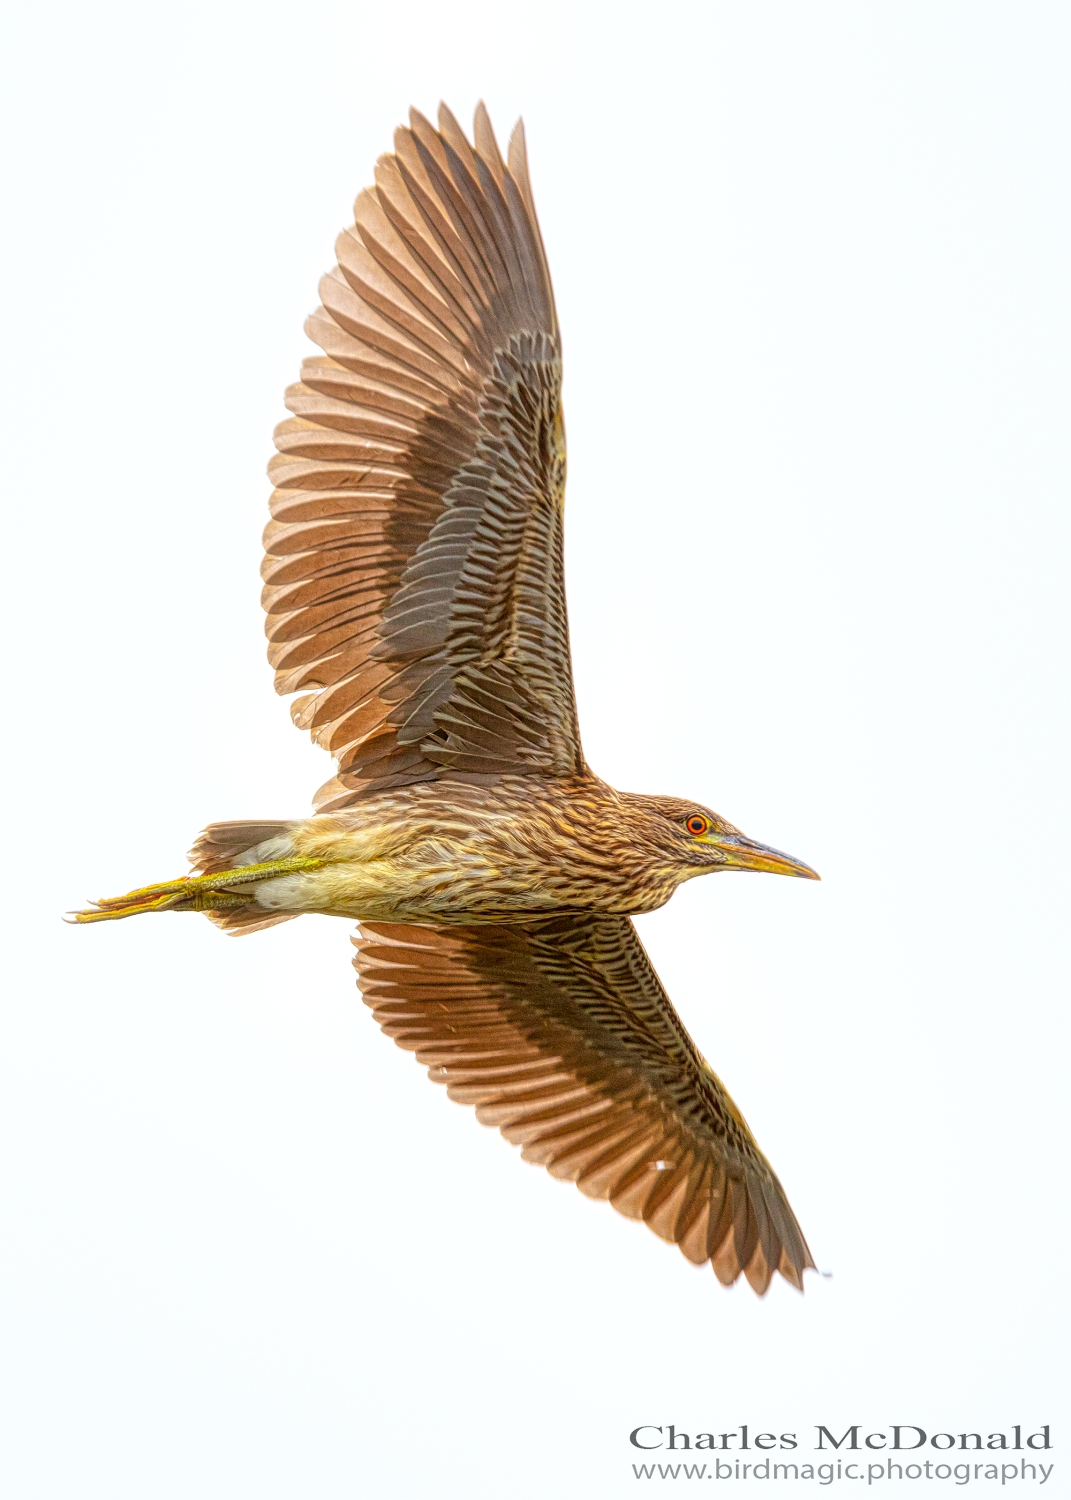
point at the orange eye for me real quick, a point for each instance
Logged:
(697, 824)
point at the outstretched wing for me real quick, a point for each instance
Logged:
(414, 560)
(560, 1033)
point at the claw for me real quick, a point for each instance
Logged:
(122, 906)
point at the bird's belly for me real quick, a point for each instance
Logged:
(394, 890)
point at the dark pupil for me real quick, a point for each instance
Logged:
(696, 825)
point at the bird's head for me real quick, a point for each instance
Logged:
(697, 841)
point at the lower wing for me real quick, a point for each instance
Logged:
(561, 1035)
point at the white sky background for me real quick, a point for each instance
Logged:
(811, 267)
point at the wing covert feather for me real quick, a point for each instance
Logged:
(413, 574)
(561, 1035)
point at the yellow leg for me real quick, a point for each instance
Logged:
(193, 892)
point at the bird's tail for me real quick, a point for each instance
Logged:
(227, 858)
(220, 846)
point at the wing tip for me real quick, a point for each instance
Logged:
(486, 142)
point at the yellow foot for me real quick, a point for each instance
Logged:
(193, 892)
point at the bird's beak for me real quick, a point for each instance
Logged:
(744, 854)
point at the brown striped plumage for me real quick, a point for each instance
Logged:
(560, 1033)
(415, 598)
(414, 563)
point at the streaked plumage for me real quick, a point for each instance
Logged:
(415, 599)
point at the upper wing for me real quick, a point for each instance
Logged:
(414, 561)
(562, 1035)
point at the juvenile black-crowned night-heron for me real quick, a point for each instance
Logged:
(415, 597)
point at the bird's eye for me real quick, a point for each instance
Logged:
(697, 824)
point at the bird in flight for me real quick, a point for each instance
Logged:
(415, 600)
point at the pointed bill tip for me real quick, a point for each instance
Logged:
(745, 854)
